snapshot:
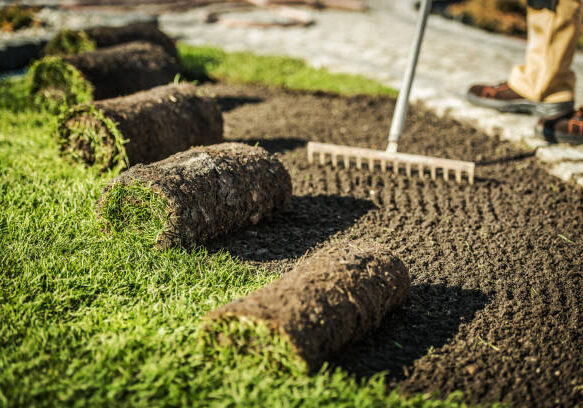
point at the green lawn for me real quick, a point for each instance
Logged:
(88, 318)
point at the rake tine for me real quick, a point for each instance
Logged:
(433, 173)
(334, 160)
(384, 166)
(370, 164)
(395, 167)
(445, 173)
(458, 175)
(346, 161)
(359, 163)
(322, 158)
(408, 169)
(420, 169)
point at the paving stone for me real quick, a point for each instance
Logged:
(567, 170)
(559, 153)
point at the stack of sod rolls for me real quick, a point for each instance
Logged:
(329, 299)
(77, 41)
(140, 128)
(196, 195)
(106, 72)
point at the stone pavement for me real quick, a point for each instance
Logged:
(376, 44)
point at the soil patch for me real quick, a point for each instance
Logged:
(497, 292)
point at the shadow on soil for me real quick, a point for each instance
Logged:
(430, 318)
(228, 103)
(277, 145)
(306, 222)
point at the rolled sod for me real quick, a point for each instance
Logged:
(77, 41)
(329, 299)
(125, 69)
(140, 128)
(206, 192)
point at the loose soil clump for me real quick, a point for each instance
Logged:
(331, 298)
(77, 41)
(125, 69)
(210, 191)
(496, 301)
(140, 128)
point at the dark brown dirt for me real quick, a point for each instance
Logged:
(125, 69)
(497, 292)
(146, 32)
(156, 123)
(212, 190)
(330, 298)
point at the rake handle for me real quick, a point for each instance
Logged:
(398, 120)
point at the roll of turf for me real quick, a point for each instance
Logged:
(328, 300)
(140, 128)
(77, 41)
(194, 196)
(125, 69)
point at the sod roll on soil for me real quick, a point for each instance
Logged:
(329, 299)
(196, 195)
(76, 41)
(140, 128)
(124, 69)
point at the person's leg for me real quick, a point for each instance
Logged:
(544, 85)
(552, 39)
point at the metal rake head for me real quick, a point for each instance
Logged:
(397, 162)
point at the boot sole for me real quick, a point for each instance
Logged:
(539, 109)
(552, 136)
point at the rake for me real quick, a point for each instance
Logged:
(389, 158)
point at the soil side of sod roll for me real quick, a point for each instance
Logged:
(209, 190)
(125, 69)
(152, 125)
(104, 36)
(328, 300)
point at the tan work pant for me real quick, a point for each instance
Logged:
(552, 39)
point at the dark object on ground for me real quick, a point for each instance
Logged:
(210, 191)
(125, 69)
(496, 285)
(146, 32)
(565, 128)
(504, 99)
(331, 298)
(141, 128)
(105, 36)
(16, 55)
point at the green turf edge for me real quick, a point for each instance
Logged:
(276, 71)
(69, 42)
(106, 143)
(54, 84)
(136, 209)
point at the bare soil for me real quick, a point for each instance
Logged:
(496, 301)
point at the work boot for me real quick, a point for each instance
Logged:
(504, 99)
(566, 128)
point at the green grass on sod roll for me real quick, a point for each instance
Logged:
(104, 138)
(95, 319)
(146, 214)
(55, 84)
(69, 42)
